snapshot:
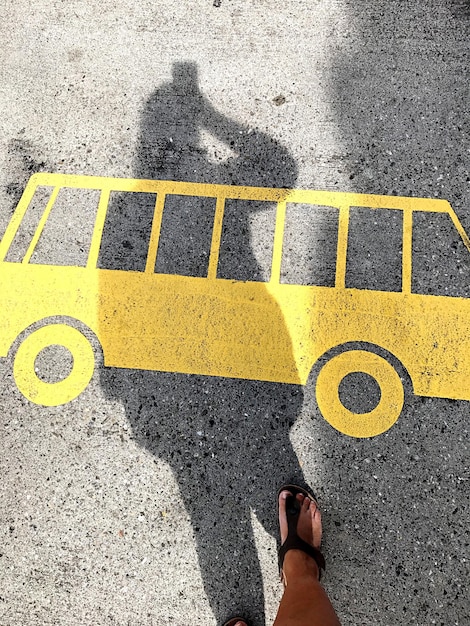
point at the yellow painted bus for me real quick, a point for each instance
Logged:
(325, 293)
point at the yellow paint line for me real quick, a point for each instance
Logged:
(17, 218)
(98, 230)
(216, 237)
(40, 228)
(155, 234)
(406, 251)
(460, 229)
(278, 242)
(342, 249)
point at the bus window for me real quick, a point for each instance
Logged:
(126, 232)
(244, 253)
(374, 257)
(29, 224)
(185, 235)
(66, 237)
(441, 261)
(310, 244)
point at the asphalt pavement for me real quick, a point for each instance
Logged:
(151, 497)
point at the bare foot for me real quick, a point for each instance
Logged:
(309, 528)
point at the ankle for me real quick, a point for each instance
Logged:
(298, 567)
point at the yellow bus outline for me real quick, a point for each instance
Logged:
(216, 326)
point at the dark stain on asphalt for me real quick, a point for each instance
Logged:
(278, 100)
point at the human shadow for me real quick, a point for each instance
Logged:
(226, 440)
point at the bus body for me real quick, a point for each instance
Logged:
(215, 326)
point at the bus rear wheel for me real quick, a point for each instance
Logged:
(77, 379)
(361, 425)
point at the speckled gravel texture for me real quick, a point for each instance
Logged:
(151, 498)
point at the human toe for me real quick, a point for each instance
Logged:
(315, 514)
(283, 514)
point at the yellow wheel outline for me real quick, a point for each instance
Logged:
(360, 425)
(54, 394)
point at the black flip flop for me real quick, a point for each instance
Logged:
(293, 541)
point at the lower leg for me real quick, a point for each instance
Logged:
(304, 602)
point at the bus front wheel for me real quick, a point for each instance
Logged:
(61, 391)
(374, 422)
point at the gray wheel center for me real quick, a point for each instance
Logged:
(359, 392)
(53, 364)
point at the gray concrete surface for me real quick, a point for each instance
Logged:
(150, 499)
